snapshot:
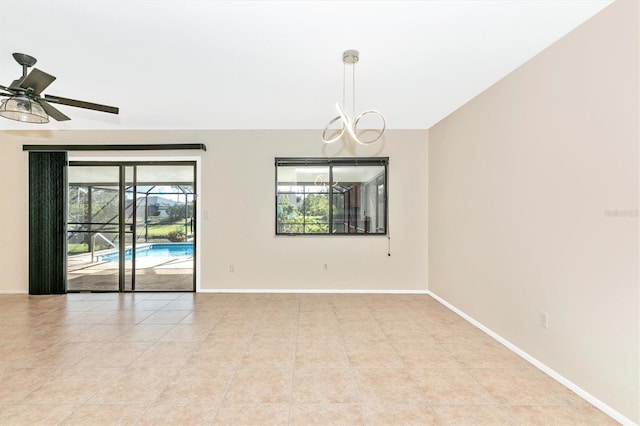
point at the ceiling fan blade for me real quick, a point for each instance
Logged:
(52, 112)
(37, 80)
(8, 91)
(82, 104)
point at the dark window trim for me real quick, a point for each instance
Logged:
(138, 147)
(330, 162)
(320, 161)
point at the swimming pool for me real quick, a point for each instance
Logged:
(153, 250)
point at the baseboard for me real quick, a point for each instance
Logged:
(308, 291)
(14, 292)
(541, 366)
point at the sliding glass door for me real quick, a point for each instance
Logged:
(131, 226)
(93, 228)
(163, 220)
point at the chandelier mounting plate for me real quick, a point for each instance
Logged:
(350, 56)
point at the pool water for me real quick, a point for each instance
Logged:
(154, 250)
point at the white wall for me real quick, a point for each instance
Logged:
(237, 191)
(523, 183)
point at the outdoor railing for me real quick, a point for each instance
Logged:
(93, 243)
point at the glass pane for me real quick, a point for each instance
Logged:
(316, 214)
(165, 175)
(93, 261)
(356, 210)
(92, 230)
(302, 200)
(93, 175)
(372, 206)
(164, 228)
(381, 208)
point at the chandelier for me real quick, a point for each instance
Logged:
(349, 125)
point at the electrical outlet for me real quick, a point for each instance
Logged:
(325, 267)
(232, 268)
(544, 319)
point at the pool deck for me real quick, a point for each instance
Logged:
(151, 274)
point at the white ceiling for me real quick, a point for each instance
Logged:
(204, 64)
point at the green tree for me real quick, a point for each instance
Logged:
(317, 206)
(315, 219)
(287, 216)
(177, 212)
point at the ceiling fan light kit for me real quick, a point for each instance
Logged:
(349, 125)
(21, 108)
(24, 102)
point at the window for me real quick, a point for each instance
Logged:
(331, 196)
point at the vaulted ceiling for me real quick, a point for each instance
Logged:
(205, 64)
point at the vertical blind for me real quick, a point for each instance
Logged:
(47, 201)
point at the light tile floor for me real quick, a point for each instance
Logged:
(262, 359)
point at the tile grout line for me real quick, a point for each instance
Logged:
(293, 367)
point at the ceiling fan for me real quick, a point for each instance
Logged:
(25, 102)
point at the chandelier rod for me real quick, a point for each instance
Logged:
(344, 82)
(353, 88)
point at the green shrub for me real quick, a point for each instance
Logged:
(177, 235)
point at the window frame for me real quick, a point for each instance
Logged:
(331, 163)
